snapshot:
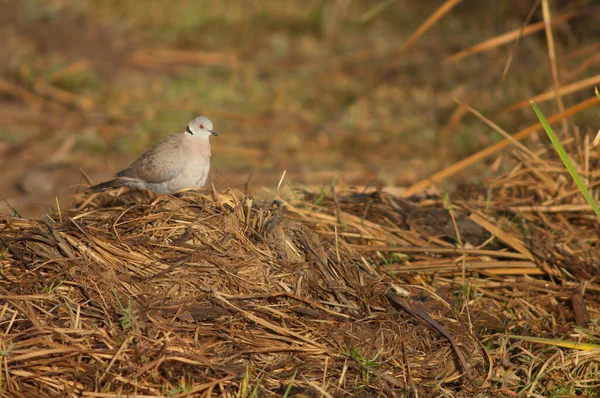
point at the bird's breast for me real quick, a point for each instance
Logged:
(200, 148)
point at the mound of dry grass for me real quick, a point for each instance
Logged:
(325, 294)
(199, 293)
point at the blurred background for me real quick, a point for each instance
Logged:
(327, 90)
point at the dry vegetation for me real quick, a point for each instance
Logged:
(324, 294)
(491, 290)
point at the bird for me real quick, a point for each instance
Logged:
(177, 162)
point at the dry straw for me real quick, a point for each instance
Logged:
(209, 294)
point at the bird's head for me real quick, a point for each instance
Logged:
(200, 127)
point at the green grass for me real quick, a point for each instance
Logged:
(244, 388)
(40, 11)
(128, 319)
(181, 387)
(288, 390)
(11, 135)
(565, 158)
(365, 364)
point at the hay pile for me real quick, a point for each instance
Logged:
(326, 294)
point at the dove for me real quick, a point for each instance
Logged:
(176, 162)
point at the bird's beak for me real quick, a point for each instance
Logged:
(213, 132)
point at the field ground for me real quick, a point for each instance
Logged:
(368, 288)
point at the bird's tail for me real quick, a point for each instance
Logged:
(103, 186)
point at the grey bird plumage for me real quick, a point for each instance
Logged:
(176, 162)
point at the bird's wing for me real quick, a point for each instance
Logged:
(161, 163)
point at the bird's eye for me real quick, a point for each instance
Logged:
(202, 126)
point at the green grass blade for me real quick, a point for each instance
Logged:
(288, 390)
(565, 158)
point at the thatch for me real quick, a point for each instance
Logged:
(327, 294)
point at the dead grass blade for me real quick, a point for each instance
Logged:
(508, 37)
(484, 153)
(424, 27)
